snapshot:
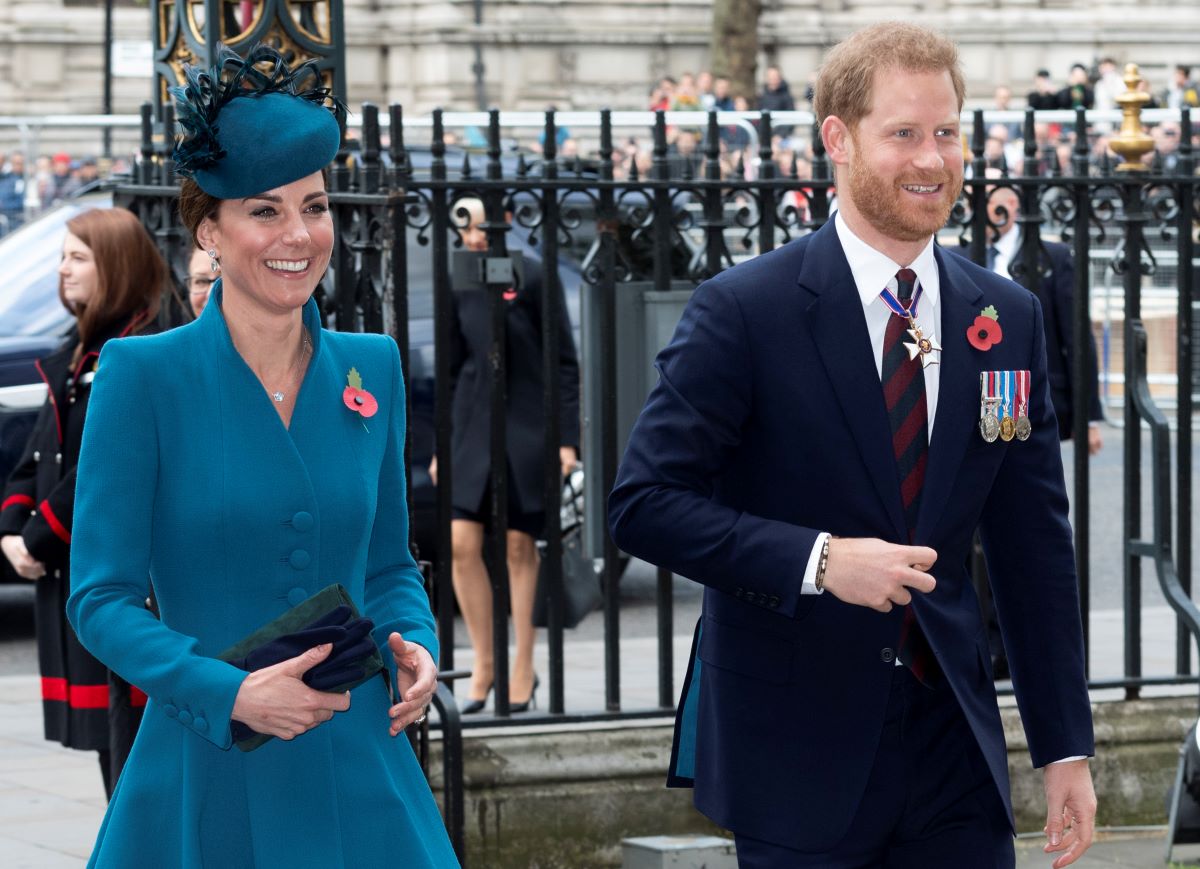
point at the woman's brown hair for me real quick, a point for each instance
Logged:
(194, 206)
(130, 272)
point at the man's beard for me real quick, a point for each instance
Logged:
(883, 204)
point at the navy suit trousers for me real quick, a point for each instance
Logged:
(930, 801)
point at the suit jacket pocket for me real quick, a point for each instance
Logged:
(756, 654)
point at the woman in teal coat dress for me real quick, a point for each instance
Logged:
(257, 459)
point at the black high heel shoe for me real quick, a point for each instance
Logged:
(531, 703)
(474, 707)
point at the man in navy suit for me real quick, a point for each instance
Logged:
(823, 481)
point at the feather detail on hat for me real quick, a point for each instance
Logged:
(198, 104)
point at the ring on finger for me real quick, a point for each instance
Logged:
(421, 718)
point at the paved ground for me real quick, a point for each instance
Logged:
(51, 799)
(51, 802)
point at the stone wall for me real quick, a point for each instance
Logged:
(584, 55)
(566, 796)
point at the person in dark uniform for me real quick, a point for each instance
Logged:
(526, 444)
(111, 278)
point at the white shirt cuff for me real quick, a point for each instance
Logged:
(1068, 759)
(810, 572)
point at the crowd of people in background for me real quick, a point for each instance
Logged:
(27, 188)
(1088, 87)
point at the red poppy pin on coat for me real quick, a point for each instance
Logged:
(985, 331)
(358, 399)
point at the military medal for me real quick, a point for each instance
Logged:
(1008, 425)
(1024, 429)
(921, 345)
(989, 404)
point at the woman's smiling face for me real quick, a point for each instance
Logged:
(273, 246)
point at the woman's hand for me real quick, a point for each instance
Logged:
(568, 458)
(274, 701)
(26, 566)
(416, 680)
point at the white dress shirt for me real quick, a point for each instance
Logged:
(872, 272)
(1006, 251)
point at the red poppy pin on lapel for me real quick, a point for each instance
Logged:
(358, 399)
(985, 331)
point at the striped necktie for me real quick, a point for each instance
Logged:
(904, 393)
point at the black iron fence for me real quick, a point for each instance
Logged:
(400, 219)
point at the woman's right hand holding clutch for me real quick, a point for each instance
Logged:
(276, 702)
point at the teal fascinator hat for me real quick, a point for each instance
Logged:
(253, 124)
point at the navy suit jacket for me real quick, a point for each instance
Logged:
(1056, 292)
(767, 427)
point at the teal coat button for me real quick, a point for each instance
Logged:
(299, 559)
(302, 522)
(297, 596)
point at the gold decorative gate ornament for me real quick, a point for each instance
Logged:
(1132, 143)
(186, 32)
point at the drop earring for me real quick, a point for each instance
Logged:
(214, 261)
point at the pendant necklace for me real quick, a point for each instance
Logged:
(305, 349)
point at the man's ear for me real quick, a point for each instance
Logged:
(836, 136)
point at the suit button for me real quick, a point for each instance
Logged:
(773, 602)
(297, 596)
(170, 709)
(200, 724)
(739, 593)
(887, 655)
(302, 522)
(299, 559)
(37, 455)
(185, 717)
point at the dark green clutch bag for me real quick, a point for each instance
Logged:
(349, 667)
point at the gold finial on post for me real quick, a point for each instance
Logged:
(1132, 143)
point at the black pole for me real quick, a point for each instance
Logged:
(495, 226)
(1081, 375)
(1185, 368)
(1130, 264)
(108, 74)
(552, 313)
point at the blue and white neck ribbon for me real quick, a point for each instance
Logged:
(920, 345)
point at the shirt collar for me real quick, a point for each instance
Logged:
(1006, 245)
(872, 270)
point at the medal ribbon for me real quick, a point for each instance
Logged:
(989, 390)
(1022, 393)
(889, 299)
(1007, 409)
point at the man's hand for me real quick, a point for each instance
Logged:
(1095, 441)
(26, 566)
(416, 680)
(866, 571)
(1070, 810)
